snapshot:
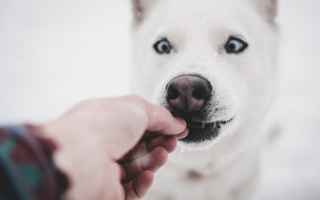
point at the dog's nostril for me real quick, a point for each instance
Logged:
(172, 93)
(200, 93)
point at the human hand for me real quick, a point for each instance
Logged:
(95, 139)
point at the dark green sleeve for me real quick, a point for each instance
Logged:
(27, 169)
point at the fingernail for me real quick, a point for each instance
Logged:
(184, 134)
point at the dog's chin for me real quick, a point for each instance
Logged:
(200, 132)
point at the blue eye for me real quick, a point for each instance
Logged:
(235, 45)
(163, 46)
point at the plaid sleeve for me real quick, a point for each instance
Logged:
(27, 169)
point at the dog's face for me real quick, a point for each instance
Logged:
(210, 62)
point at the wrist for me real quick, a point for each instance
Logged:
(50, 149)
(79, 153)
(63, 156)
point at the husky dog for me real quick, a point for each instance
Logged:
(214, 64)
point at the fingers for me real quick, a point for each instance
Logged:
(183, 135)
(137, 188)
(149, 162)
(147, 156)
(162, 121)
(159, 118)
(136, 118)
(137, 177)
(167, 142)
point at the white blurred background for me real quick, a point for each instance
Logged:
(55, 53)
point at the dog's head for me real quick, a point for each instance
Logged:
(210, 62)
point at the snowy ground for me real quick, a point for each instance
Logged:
(54, 53)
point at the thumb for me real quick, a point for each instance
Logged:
(145, 118)
(160, 120)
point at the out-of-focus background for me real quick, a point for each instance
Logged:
(55, 53)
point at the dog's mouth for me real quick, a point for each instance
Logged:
(200, 129)
(203, 131)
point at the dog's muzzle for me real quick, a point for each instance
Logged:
(188, 97)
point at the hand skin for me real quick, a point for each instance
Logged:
(101, 147)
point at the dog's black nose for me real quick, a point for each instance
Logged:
(188, 93)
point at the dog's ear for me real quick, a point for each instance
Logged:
(268, 8)
(141, 8)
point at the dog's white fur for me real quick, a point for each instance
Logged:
(227, 167)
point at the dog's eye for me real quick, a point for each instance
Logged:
(235, 45)
(163, 46)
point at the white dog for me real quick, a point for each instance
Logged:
(212, 63)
